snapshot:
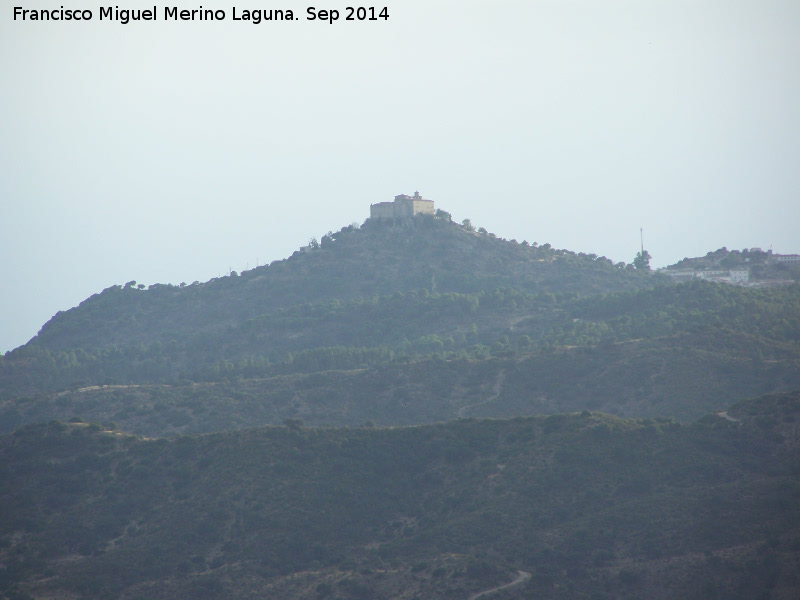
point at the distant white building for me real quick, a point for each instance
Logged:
(679, 274)
(739, 276)
(715, 275)
(786, 259)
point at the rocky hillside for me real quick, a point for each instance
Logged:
(591, 506)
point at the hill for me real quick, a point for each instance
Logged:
(564, 332)
(412, 367)
(377, 259)
(592, 506)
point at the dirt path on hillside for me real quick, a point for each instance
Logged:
(522, 577)
(724, 414)
(496, 389)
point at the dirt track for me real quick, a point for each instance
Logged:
(522, 576)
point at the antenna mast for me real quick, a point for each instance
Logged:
(641, 236)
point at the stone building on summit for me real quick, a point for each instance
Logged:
(403, 207)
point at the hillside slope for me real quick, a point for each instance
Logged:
(401, 325)
(377, 259)
(681, 377)
(591, 505)
(675, 350)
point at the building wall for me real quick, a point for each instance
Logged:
(739, 275)
(382, 210)
(680, 274)
(403, 206)
(734, 276)
(423, 207)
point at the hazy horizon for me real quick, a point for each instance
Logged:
(166, 152)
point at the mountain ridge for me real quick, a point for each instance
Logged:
(376, 259)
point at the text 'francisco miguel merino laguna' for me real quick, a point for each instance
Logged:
(174, 13)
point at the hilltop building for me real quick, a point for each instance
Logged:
(736, 276)
(755, 268)
(403, 207)
(786, 259)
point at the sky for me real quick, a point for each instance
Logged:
(168, 152)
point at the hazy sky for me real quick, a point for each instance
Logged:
(174, 151)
